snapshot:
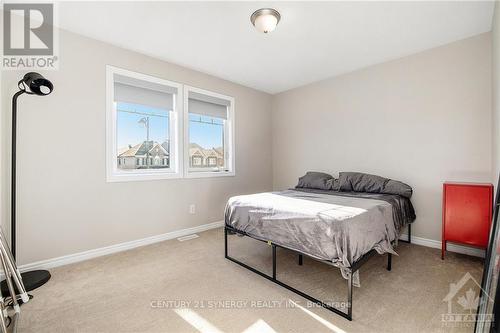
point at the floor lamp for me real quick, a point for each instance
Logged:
(32, 84)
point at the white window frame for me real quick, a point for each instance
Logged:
(113, 174)
(229, 152)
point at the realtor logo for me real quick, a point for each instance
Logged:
(28, 36)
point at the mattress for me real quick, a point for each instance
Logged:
(326, 225)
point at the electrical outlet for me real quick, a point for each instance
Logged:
(192, 209)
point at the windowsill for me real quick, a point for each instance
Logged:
(208, 174)
(133, 177)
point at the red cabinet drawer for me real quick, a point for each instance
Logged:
(467, 213)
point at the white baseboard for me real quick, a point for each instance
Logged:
(471, 251)
(86, 255)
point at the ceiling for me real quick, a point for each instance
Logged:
(313, 41)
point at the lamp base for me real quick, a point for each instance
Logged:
(31, 280)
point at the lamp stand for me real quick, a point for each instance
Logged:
(32, 279)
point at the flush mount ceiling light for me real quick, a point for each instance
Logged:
(265, 19)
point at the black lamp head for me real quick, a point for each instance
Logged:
(36, 84)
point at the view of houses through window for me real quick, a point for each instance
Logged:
(143, 139)
(159, 129)
(206, 142)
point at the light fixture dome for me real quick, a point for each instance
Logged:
(265, 19)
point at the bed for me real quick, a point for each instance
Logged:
(336, 223)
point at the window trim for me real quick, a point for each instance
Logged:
(229, 139)
(175, 132)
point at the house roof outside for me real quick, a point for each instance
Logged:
(142, 149)
(196, 150)
(122, 150)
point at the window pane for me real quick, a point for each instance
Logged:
(206, 142)
(143, 139)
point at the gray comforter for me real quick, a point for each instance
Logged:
(327, 225)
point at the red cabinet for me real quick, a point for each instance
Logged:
(467, 214)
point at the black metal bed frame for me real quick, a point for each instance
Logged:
(356, 265)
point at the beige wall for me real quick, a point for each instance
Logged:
(422, 119)
(65, 205)
(496, 92)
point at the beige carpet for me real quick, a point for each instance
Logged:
(189, 287)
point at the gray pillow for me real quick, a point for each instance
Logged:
(345, 182)
(334, 184)
(361, 182)
(317, 180)
(399, 188)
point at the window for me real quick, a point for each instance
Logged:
(196, 160)
(208, 133)
(142, 126)
(212, 161)
(158, 129)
